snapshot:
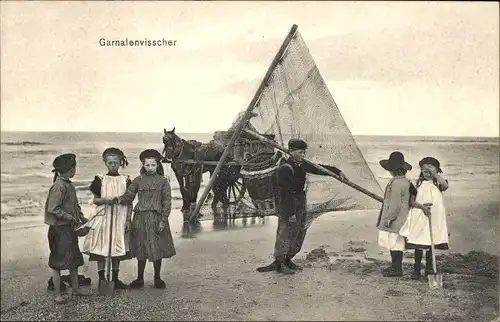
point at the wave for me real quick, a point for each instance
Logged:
(26, 175)
(36, 151)
(52, 151)
(24, 143)
(21, 207)
(457, 140)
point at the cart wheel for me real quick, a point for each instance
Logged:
(235, 191)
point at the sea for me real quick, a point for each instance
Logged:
(471, 164)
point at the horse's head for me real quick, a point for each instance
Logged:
(172, 144)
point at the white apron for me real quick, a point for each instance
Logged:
(97, 240)
(416, 227)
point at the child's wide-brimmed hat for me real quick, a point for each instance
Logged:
(150, 154)
(431, 161)
(396, 161)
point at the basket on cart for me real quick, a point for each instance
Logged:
(244, 145)
(259, 178)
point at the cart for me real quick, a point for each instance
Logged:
(233, 183)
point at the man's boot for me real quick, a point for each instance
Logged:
(274, 266)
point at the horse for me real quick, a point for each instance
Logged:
(176, 150)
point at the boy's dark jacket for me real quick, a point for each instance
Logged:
(62, 207)
(291, 178)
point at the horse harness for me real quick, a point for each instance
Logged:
(185, 169)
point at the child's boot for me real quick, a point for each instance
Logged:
(139, 282)
(159, 283)
(119, 285)
(428, 263)
(395, 270)
(415, 275)
(135, 284)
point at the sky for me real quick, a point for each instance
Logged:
(393, 68)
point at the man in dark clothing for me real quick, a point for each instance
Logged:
(291, 178)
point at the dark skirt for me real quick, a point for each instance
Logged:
(442, 246)
(96, 258)
(64, 249)
(146, 242)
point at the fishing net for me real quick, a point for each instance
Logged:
(296, 103)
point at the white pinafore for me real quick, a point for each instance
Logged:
(416, 227)
(97, 240)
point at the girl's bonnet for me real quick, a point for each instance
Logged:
(117, 152)
(431, 161)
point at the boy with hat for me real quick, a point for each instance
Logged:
(63, 214)
(395, 208)
(291, 178)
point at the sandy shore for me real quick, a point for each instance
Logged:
(213, 277)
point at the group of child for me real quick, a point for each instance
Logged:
(405, 218)
(402, 222)
(146, 236)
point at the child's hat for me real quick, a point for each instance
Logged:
(150, 154)
(113, 151)
(432, 161)
(297, 144)
(396, 161)
(117, 152)
(64, 162)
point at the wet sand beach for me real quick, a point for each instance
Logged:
(213, 277)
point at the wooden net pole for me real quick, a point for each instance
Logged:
(317, 166)
(244, 120)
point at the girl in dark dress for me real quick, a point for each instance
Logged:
(151, 238)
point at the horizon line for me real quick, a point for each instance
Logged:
(402, 135)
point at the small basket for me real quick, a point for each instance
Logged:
(259, 177)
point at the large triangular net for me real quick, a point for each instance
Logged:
(296, 103)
